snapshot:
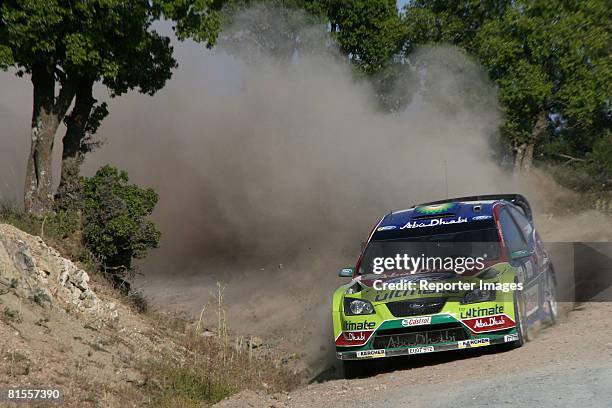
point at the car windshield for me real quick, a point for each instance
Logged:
(434, 248)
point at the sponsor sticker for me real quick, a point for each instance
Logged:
(371, 353)
(490, 323)
(473, 343)
(421, 350)
(387, 228)
(510, 337)
(468, 313)
(416, 321)
(353, 338)
(365, 325)
(433, 223)
(481, 217)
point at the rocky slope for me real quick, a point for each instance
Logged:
(61, 330)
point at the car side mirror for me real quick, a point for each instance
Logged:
(346, 272)
(520, 254)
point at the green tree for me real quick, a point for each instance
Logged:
(66, 47)
(271, 28)
(550, 59)
(366, 31)
(116, 225)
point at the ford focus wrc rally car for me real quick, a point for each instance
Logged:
(384, 312)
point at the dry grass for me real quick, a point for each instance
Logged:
(59, 230)
(210, 365)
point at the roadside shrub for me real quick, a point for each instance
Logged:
(58, 225)
(116, 225)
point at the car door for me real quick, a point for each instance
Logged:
(521, 239)
(541, 262)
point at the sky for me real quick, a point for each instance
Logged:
(402, 3)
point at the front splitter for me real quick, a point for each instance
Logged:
(423, 349)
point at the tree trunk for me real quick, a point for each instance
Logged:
(523, 159)
(47, 113)
(72, 152)
(38, 198)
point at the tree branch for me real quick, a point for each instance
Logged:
(66, 94)
(569, 158)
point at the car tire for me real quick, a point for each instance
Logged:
(521, 322)
(550, 297)
(353, 369)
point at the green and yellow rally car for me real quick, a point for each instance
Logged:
(452, 274)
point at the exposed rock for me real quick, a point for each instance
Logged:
(38, 272)
(25, 261)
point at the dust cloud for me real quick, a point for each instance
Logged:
(273, 161)
(269, 182)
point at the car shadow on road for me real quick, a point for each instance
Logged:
(388, 365)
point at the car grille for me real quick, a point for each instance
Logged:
(442, 333)
(419, 307)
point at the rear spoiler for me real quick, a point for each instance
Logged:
(517, 199)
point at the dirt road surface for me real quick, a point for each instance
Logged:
(568, 365)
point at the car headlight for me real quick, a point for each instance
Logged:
(477, 295)
(354, 307)
(355, 288)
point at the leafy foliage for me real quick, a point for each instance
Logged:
(367, 31)
(274, 29)
(109, 40)
(116, 227)
(551, 60)
(599, 161)
(66, 47)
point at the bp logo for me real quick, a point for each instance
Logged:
(435, 209)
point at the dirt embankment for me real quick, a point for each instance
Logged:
(61, 330)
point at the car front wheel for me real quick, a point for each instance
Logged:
(520, 319)
(550, 297)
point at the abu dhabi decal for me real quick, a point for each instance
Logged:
(433, 223)
(473, 343)
(353, 338)
(371, 353)
(490, 323)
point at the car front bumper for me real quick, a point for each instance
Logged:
(425, 349)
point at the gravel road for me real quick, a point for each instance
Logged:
(550, 387)
(568, 365)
